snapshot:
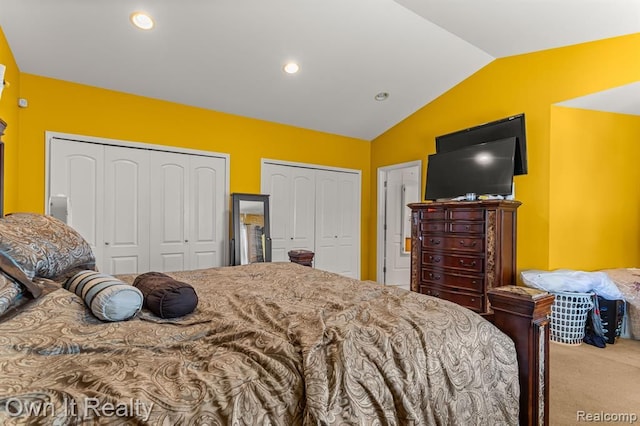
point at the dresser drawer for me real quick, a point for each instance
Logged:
(429, 290)
(475, 302)
(463, 263)
(432, 227)
(465, 214)
(469, 227)
(432, 214)
(464, 282)
(464, 244)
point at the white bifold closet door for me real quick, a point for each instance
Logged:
(126, 210)
(292, 203)
(337, 222)
(315, 209)
(76, 171)
(142, 209)
(185, 235)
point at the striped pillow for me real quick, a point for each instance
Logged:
(108, 298)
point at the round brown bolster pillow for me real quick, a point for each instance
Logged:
(165, 296)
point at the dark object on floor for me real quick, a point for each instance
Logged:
(593, 339)
(593, 331)
(611, 315)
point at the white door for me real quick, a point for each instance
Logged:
(291, 208)
(76, 171)
(337, 222)
(207, 239)
(126, 210)
(302, 210)
(402, 187)
(315, 209)
(275, 182)
(169, 209)
(139, 208)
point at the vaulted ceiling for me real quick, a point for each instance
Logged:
(228, 55)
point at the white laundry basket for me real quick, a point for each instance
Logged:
(569, 316)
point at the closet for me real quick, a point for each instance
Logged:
(141, 208)
(317, 209)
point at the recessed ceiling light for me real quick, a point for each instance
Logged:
(291, 68)
(382, 96)
(142, 20)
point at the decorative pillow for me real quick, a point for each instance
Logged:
(9, 268)
(10, 293)
(43, 246)
(165, 296)
(108, 298)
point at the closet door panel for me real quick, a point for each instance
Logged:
(276, 183)
(77, 171)
(302, 210)
(327, 216)
(337, 222)
(207, 242)
(348, 244)
(291, 208)
(169, 212)
(126, 246)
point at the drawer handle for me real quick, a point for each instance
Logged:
(434, 242)
(467, 227)
(471, 243)
(470, 264)
(434, 276)
(474, 282)
(435, 259)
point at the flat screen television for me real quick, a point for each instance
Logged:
(483, 169)
(499, 129)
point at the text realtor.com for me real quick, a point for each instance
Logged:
(92, 407)
(601, 416)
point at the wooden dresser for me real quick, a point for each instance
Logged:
(462, 249)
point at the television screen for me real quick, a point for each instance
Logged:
(483, 169)
(499, 129)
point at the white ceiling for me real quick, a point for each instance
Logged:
(621, 100)
(227, 55)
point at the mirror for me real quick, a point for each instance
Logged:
(250, 239)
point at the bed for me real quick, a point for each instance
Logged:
(268, 343)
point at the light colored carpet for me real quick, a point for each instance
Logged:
(601, 382)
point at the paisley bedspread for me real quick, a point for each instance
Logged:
(269, 344)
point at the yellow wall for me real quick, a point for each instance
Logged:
(530, 84)
(595, 195)
(9, 114)
(65, 107)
